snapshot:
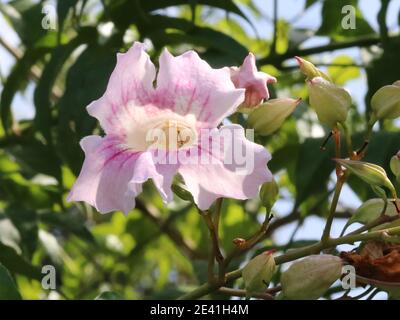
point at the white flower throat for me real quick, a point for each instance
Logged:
(165, 130)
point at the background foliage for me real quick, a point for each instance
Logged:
(155, 252)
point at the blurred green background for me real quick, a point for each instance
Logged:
(49, 76)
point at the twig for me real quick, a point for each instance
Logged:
(152, 213)
(277, 60)
(34, 72)
(215, 252)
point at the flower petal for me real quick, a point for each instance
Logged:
(238, 176)
(162, 174)
(255, 82)
(105, 175)
(112, 176)
(131, 81)
(188, 85)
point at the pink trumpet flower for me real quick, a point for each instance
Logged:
(145, 123)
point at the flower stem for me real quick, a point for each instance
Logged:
(215, 253)
(332, 211)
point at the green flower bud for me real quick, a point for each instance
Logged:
(258, 272)
(372, 210)
(269, 116)
(310, 70)
(269, 194)
(395, 165)
(370, 173)
(309, 278)
(182, 193)
(386, 102)
(330, 102)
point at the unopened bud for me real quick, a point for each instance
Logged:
(182, 193)
(269, 194)
(255, 82)
(395, 165)
(309, 278)
(310, 70)
(386, 102)
(369, 172)
(258, 272)
(371, 210)
(330, 102)
(269, 116)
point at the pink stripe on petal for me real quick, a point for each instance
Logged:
(133, 68)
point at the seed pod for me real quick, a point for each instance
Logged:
(258, 272)
(309, 278)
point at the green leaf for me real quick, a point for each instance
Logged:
(25, 220)
(8, 288)
(16, 81)
(15, 188)
(63, 8)
(36, 157)
(116, 10)
(86, 81)
(15, 263)
(309, 3)
(52, 69)
(340, 75)
(186, 32)
(23, 15)
(67, 222)
(314, 167)
(332, 17)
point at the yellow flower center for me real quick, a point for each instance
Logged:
(171, 135)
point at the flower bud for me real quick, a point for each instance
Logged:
(269, 194)
(255, 82)
(258, 272)
(269, 117)
(395, 165)
(310, 70)
(372, 210)
(370, 173)
(386, 102)
(330, 102)
(309, 278)
(182, 193)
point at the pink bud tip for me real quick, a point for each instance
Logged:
(269, 252)
(299, 60)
